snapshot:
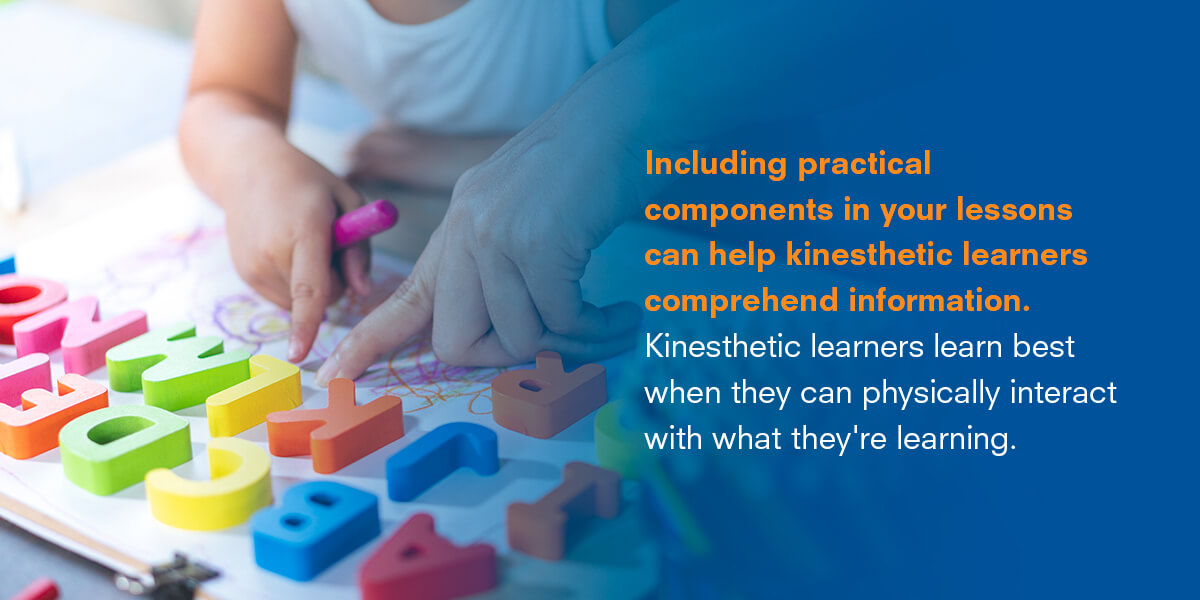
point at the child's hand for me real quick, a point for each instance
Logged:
(279, 204)
(499, 280)
(280, 226)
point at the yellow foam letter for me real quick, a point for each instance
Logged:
(274, 385)
(240, 485)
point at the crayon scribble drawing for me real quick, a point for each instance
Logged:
(190, 276)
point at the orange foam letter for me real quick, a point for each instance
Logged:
(34, 430)
(542, 402)
(340, 433)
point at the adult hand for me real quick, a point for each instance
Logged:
(499, 279)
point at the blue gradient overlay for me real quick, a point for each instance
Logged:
(1090, 105)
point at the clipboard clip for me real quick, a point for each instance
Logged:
(176, 580)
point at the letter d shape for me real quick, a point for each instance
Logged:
(108, 450)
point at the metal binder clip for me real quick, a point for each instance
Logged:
(176, 580)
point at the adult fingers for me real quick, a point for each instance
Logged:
(513, 315)
(489, 351)
(576, 350)
(405, 313)
(516, 332)
(559, 301)
(460, 316)
(310, 292)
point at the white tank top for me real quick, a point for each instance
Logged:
(489, 67)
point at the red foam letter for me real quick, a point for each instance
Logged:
(22, 297)
(419, 564)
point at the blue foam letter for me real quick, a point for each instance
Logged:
(439, 453)
(317, 524)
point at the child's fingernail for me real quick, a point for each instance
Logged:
(294, 354)
(326, 372)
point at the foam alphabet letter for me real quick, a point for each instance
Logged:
(340, 433)
(620, 448)
(175, 368)
(546, 400)
(317, 524)
(540, 529)
(8, 263)
(439, 453)
(76, 327)
(22, 297)
(25, 373)
(240, 485)
(108, 450)
(34, 430)
(274, 385)
(418, 564)
(617, 447)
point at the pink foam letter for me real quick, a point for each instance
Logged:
(25, 373)
(75, 326)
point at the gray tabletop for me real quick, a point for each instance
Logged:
(80, 90)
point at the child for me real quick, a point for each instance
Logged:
(450, 79)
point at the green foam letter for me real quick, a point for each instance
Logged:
(174, 368)
(108, 450)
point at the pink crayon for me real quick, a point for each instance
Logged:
(363, 222)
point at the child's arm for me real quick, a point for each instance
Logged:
(424, 160)
(279, 204)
